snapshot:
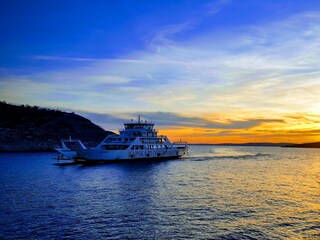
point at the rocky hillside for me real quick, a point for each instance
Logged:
(31, 128)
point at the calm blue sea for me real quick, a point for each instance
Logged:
(213, 193)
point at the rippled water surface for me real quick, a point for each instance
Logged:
(213, 193)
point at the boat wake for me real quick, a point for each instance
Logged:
(239, 157)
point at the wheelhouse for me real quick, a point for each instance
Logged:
(136, 135)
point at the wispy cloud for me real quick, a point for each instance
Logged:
(166, 34)
(88, 60)
(174, 120)
(215, 7)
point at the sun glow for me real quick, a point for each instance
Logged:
(298, 128)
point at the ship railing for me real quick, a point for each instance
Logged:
(70, 140)
(180, 144)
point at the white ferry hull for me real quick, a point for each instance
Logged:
(119, 155)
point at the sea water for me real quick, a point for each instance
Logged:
(212, 193)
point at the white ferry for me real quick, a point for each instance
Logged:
(138, 140)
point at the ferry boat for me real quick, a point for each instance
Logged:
(138, 140)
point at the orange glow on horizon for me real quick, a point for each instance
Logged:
(290, 130)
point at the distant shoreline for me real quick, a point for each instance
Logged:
(284, 145)
(304, 145)
(242, 144)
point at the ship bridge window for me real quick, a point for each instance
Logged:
(116, 147)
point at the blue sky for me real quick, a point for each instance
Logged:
(111, 29)
(225, 66)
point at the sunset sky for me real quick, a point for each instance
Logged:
(205, 71)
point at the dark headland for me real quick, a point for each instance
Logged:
(304, 145)
(31, 128)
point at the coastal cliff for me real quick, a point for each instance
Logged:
(31, 128)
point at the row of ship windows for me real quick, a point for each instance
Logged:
(139, 127)
(132, 139)
(134, 147)
(120, 139)
(144, 134)
(140, 147)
